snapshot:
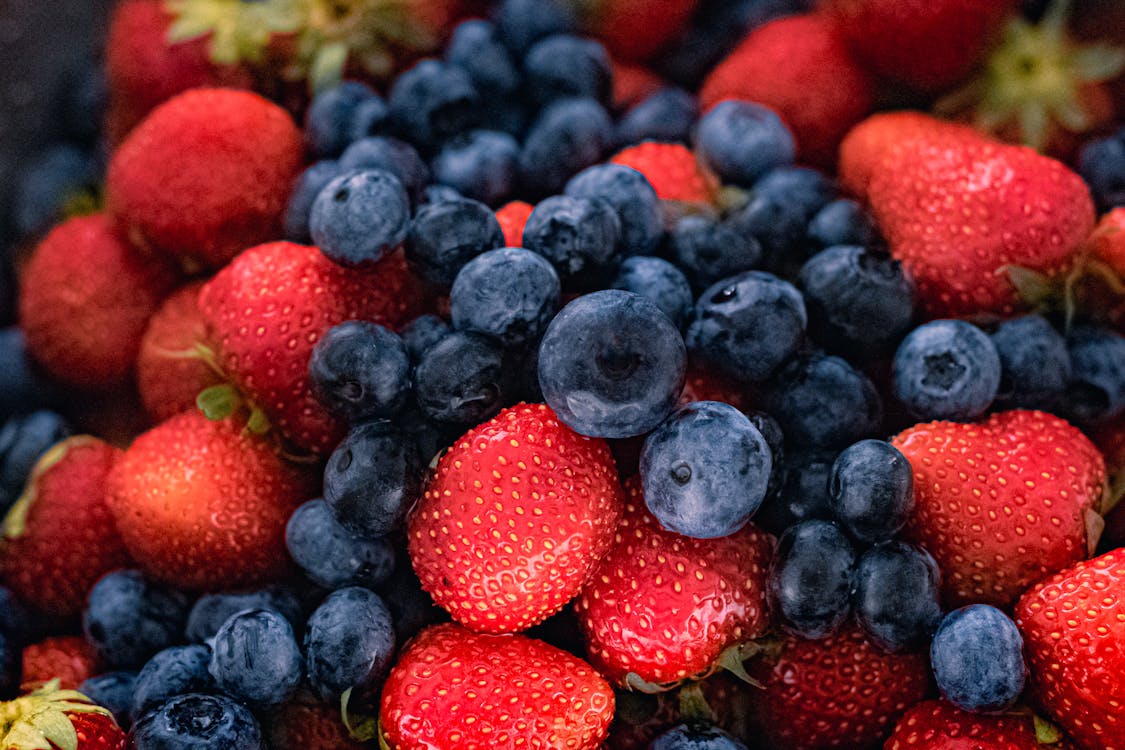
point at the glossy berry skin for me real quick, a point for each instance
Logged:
(520, 691)
(255, 657)
(390, 155)
(1101, 162)
(487, 583)
(447, 235)
(666, 115)
(360, 217)
(810, 580)
(578, 236)
(871, 490)
(611, 364)
(129, 618)
(1034, 363)
(482, 165)
(842, 222)
(171, 672)
(705, 470)
(936, 725)
(331, 556)
(210, 611)
(329, 117)
(477, 48)
(509, 294)
(823, 402)
(360, 370)
(977, 657)
(433, 101)
(740, 141)
(989, 465)
(463, 379)
(23, 439)
(631, 196)
(112, 690)
(804, 494)
(198, 721)
(896, 595)
(693, 737)
(564, 65)
(660, 282)
(567, 136)
(947, 369)
(709, 251)
(349, 642)
(1096, 392)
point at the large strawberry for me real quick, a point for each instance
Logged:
(453, 689)
(1075, 646)
(70, 659)
(937, 725)
(265, 332)
(516, 515)
(54, 719)
(661, 607)
(1003, 503)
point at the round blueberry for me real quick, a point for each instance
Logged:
(804, 491)
(896, 597)
(740, 141)
(463, 379)
(696, 737)
(349, 642)
(210, 611)
(433, 101)
(482, 165)
(632, 197)
(476, 47)
(129, 618)
(171, 672)
(370, 117)
(445, 236)
(977, 657)
(1097, 386)
(1034, 363)
(524, 22)
(360, 217)
(510, 294)
(666, 115)
(810, 579)
(256, 658)
(330, 555)
(1101, 162)
(307, 188)
(421, 333)
(780, 207)
(360, 370)
(565, 65)
(199, 722)
(659, 281)
(947, 369)
(567, 136)
(871, 490)
(842, 222)
(709, 251)
(112, 690)
(577, 235)
(329, 116)
(390, 155)
(823, 402)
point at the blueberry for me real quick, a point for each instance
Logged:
(391, 155)
(371, 117)
(372, 479)
(307, 188)
(709, 251)
(823, 402)
(360, 217)
(482, 165)
(328, 121)
(445, 236)
(563, 65)
(740, 141)
(1097, 388)
(349, 643)
(198, 722)
(666, 115)
(567, 136)
(977, 657)
(421, 333)
(112, 690)
(330, 555)
(779, 210)
(171, 672)
(810, 579)
(705, 470)
(1101, 162)
(129, 618)
(43, 188)
(747, 326)
(476, 46)
(696, 737)
(410, 606)
(804, 492)
(524, 22)
(1034, 363)
(857, 300)
(256, 658)
(896, 597)
(632, 197)
(210, 611)
(659, 281)
(612, 365)
(462, 379)
(22, 387)
(841, 222)
(577, 235)
(360, 371)
(871, 490)
(23, 440)
(946, 369)
(775, 440)
(439, 194)
(510, 294)
(433, 101)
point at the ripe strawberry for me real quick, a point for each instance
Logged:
(664, 607)
(1075, 646)
(59, 537)
(309, 725)
(703, 384)
(203, 504)
(839, 692)
(453, 688)
(265, 333)
(57, 719)
(672, 170)
(554, 493)
(1107, 243)
(85, 300)
(1003, 503)
(205, 175)
(512, 218)
(632, 84)
(70, 659)
(617, 23)
(936, 725)
(799, 67)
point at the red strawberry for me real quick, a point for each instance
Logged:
(512, 218)
(839, 692)
(672, 170)
(1107, 243)
(54, 719)
(300, 725)
(801, 68)
(632, 84)
(59, 537)
(1075, 646)
(1003, 503)
(203, 504)
(70, 659)
(635, 30)
(85, 300)
(453, 689)
(265, 333)
(513, 520)
(205, 175)
(664, 607)
(936, 725)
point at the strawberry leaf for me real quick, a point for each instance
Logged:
(1046, 733)
(218, 402)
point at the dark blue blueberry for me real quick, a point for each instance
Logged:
(476, 46)
(482, 165)
(391, 155)
(82, 100)
(842, 222)
(977, 657)
(709, 251)
(42, 189)
(372, 479)
(567, 136)
(823, 402)
(612, 365)
(947, 369)
(410, 606)
(255, 657)
(632, 197)
(705, 470)
(666, 115)
(463, 379)
(307, 188)
(810, 579)
(129, 618)
(15, 618)
(896, 597)
(10, 660)
(747, 326)
(659, 281)
(1034, 363)
(360, 370)
(349, 643)
(1101, 162)
(1097, 386)
(577, 235)
(563, 65)
(510, 294)
(23, 387)
(360, 217)
(171, 672)
(696, 737)
(445, 236)
(433, 101)
(371, 117)
(524, 22)
(112, 690)
(871, 490)
(804, 492)
(421, 333)
(330, 555)
(210, 611)
(741, 141)
(198, 722)
(780, 207)
(328, 121)
(857, 299)
(23, 439)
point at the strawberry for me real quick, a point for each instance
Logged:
(672, 170)
(512, 218)
(1075, 647)
(265, 334)
(632, 84)
(703, 384)
(54, 719)
(799, 67)
(839, 692)
(309, 725)
(936, 725)
(70, 659)
(59, 537)
(554, 491)
(455, 689)
(205, 175)
(661, 607)
(85, 300)
(616, 23)
(1003, 503)
(203, 504)
(1107, 243)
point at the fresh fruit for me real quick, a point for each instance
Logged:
(58, 719)
(129, 618)
(330, 555)
(977, 657)
(255, 658)
(632, 198)
(174, 671)
(660, 282)
(740, 141)
(444, 236)
(579, 236)
(66, 658)
(871, 490)
(565, 65)
(1101, 162)
(672, 170)
(462, 380)
(896, 593)
(349, 644)
(619, 23)
(824, 402)
(512, 217)
(947, 369)
(936, 725)
(509, 294)
(360, 371)
(361, 217)
(205, 721)
(811, 578)
(1035, 366)
(481, 165)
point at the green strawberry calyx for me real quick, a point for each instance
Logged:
(39, 721)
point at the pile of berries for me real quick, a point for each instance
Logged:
(625, 374)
